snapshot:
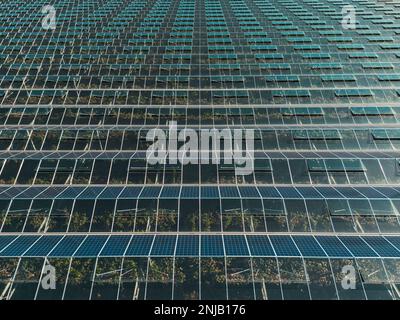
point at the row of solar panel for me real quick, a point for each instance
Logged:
(87, 116)
(109, 154)
(67, 164)
(213, 18)
(141, 135)
(135, 65)
(130, 81)
(314, 111)
(154, 25)
(145, 46)
(149, 116)
(210, 97)
(195, 192)
(137, 54)
(49, 139)
(237, 6)
(123, 170)
(116, 46)
(57, 88)
(216, 15)
(204, 245)
(214, 32)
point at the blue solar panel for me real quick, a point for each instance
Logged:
(130, 192)
(397, 188)
(370, 193)
(110, 192)
(249, 192)
(383, 247)
(394, 240)
(308, 246)
(30, 193)
(260, 246)
(188, 246)
(163, 246)
(358, 247)
(284, 246)
(390, 193)
(115, 246)
(212, 246)
(3, 189)
(70, 193)
(67, 246)
(229, 192)
(333, 247)
(329, 192)
(309, 192)
(91, 246)
(350, 193)
(51, 192)
(139, 246)
(170, 192)
(150, 192)
(269, 192)
(289, 192)
(235, 245)
(190, 193)
(91, 193)
(19, 246)
(43, 246)
(209, 193)
(12, 193)
(5, 241)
